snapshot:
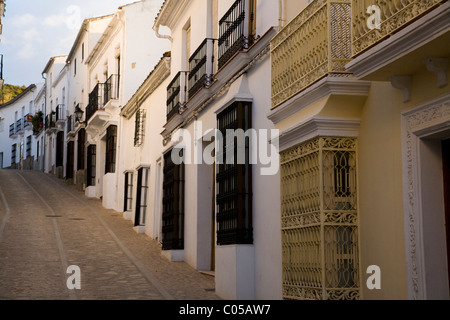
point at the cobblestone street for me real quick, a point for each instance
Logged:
(47, 225)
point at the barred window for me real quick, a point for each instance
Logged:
(139, 128)
(91, 165)
(128, 189)
(13, 154)
(234, 197)
(111, 144)
(28, 147)
(81, 148)
(141, 196)
(173, 203)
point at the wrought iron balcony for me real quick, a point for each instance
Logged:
(49, 122)
(234, 32)
(27, 121)
(315, 44)
(60, 114)
(19, 126)
(176, 94)
(201, 66)
(111, 88)
(394, 14)
(95, 101)
(70, 123)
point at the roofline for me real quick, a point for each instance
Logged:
(20, 96)
(50, 62)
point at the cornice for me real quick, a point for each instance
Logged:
(170, 13)
(327, 86)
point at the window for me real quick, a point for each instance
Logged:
(91, 165)
(139, 128)
(128, 196)
(60, 149)
(81, 142)
(173, 203)
(141, 196)
(111, 143)
(2, 124)
(70, 160)
(234, 197)
(13, 154)
(82, 51)
(28, 147)
(75, 67)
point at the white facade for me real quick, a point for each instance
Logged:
(118, 64)
(18, 144)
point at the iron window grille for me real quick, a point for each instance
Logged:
(139, 129)
(234, 180)
(128, 192)
(13, 154)
(81, 148)
(19, 125)
(60, 116)
(236, 29)
(111, 145)
(141, 196)
(176, 94)
(70, 159)
(12, 130)
(173, 203)
(319, 220)
(91, 165)
(201, 66)
(28, 147)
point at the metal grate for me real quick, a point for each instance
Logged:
(139, 129)
(319, 220)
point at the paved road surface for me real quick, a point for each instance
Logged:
(47, 225)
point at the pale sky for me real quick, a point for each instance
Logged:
(36, 30)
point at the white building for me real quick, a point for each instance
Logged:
(18, 145)
(118, 64)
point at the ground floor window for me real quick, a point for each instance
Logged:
(173, 203)
(234, 180)
(13, 154)
(70, 160)
(128, 191)
(91, 165)
(111, 144)
(60, 149)
(81, 142)
(141, 196)
(28, 147)
(319, 220)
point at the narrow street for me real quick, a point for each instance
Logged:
(47, 225)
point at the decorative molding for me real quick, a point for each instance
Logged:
(316, 127)
(403, 83)
(417, 123)
(346, 85)
(438, 66)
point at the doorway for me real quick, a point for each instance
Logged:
(446, 178)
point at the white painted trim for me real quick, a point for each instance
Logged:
(325, 87)
(318, 126)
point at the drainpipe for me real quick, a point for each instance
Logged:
(161, 36)
(281, 11)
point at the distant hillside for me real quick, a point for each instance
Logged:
(10, 92)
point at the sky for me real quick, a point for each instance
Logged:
(36, 30)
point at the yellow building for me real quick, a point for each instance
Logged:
(360, 94)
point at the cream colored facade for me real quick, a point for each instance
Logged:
(387, 91)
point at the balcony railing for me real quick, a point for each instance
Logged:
(27, 120)
(201, 66)
(60, 114)
(111, 88)
(176, 94)
(95, 101)
(315, 44)
(394, 14)
(70, 123)
(19, 125)
(49, 122)
(234, 31)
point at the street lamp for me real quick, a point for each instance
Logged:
(78, 113)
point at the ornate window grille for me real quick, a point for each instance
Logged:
(234, 198)
(141, 196)
(139, 129)
(173, 203)
(91, 165)
(320, 220)
(111, 145)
